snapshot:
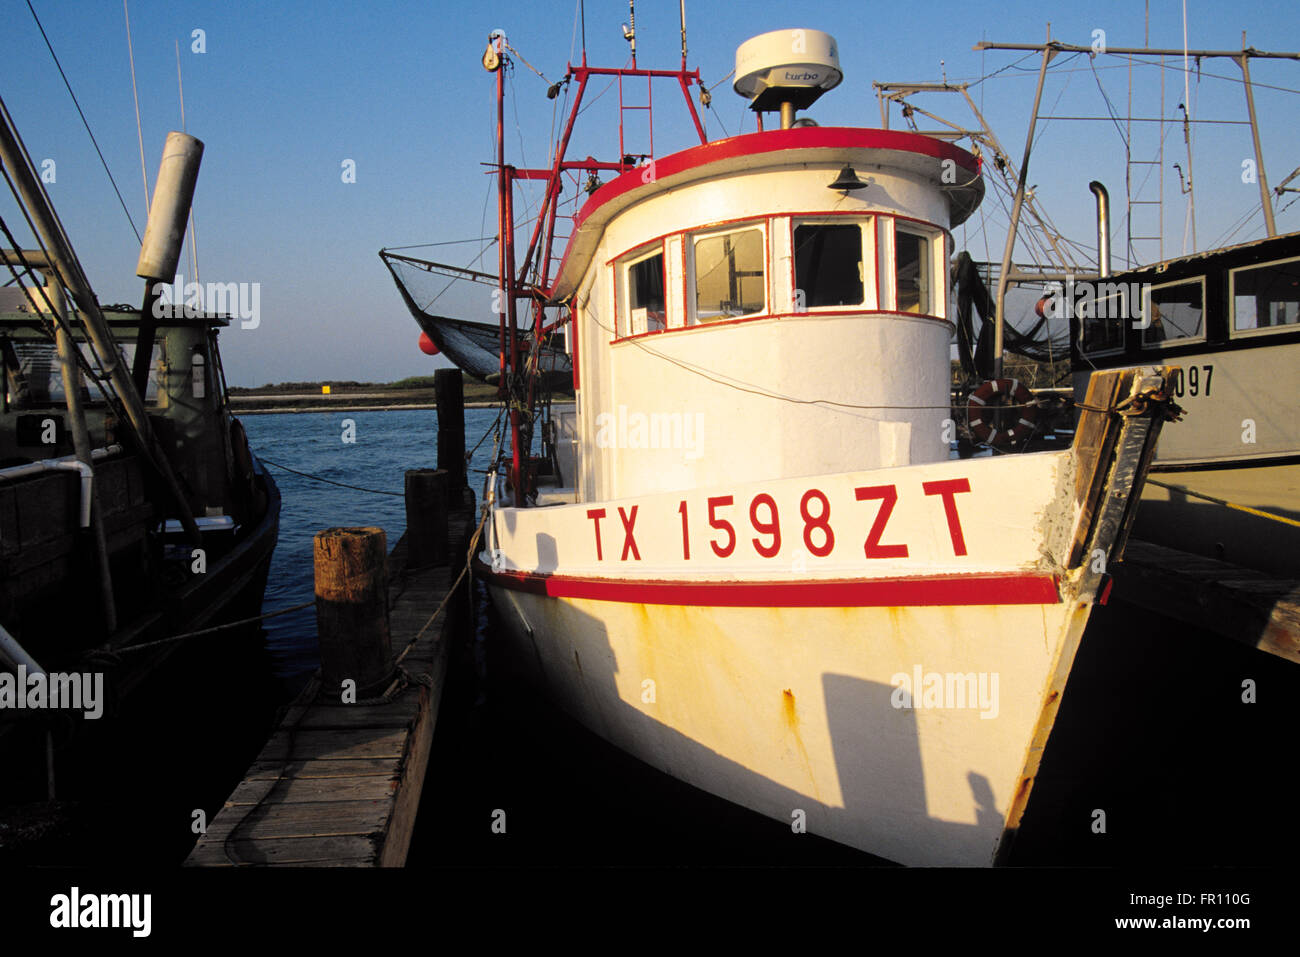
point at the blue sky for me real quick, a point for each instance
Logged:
(287, 91)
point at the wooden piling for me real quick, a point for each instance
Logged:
(339, 784)
(352, 610)
(449, 389)
(426, 516)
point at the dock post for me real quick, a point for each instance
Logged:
(450, 396)
(427, 494)
(352, 610)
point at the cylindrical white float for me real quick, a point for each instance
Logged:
(173, 193)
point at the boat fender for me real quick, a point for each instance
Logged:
(1005, 393)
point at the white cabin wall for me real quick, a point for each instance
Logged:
(738, 400)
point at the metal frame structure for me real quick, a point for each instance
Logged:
(518, 385)
(1007, 275)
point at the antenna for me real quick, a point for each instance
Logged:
(194, 235)
(139, 133)
(682, 7)
(629, 29)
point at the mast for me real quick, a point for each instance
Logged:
(1243, 61)
(1049, 51)
(507, 388)
(517, 384)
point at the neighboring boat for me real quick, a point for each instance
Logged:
(1231, 318)
(474, 347)
(1227, 485)
(131, 507)
(761, 571)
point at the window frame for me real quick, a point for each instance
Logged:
(623, 320)
(1147, 291)
(1233, 331)
(692, 238)
(866, 223)
(930, 236)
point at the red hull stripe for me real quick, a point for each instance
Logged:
(1013, 589)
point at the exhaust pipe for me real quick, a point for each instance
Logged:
(1103, 228)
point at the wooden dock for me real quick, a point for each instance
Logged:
(339, 784)
(1237, 603)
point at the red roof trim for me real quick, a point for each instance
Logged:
(809, 137)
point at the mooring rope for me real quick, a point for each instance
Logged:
(210, 631)
(317, 478)
(469, 557)
(1219, 501)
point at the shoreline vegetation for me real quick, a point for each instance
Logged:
(414, 392)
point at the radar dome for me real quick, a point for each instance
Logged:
(786, 66)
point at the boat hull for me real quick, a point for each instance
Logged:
(901, 731)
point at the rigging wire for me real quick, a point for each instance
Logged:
(449, 242)
(135, 96)
(1110, 108)
(84, 121)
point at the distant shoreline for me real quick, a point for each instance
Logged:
(341, 406)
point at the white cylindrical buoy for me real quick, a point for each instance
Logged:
(173, 193)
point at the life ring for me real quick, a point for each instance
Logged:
(995, 401)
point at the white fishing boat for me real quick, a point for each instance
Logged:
(745, 555)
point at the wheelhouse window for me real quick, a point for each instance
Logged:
(1267, 296)
(729, 275)
(828, 265)
(1102, 310)
(645, 294)
(34, 375)
(1174, 311)
(912, 273)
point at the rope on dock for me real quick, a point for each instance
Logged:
(1219, 501)
(469, 557)
(403, 681)
(317, 478)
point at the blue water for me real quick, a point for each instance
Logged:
(385, 445)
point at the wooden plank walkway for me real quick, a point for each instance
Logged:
(338, 784)
(1238, 603)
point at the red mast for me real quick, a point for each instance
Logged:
(518, 384)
